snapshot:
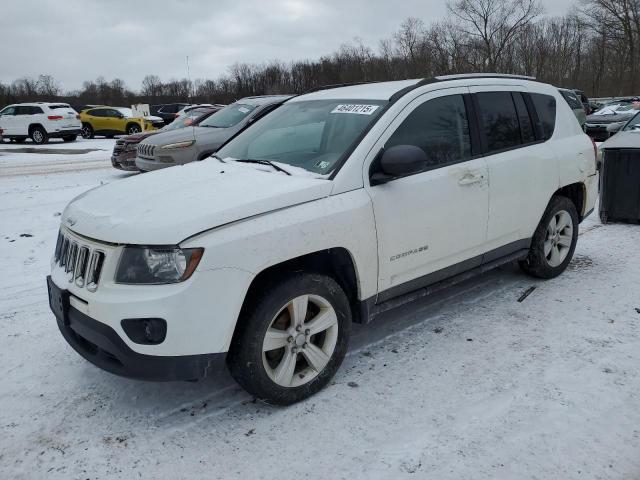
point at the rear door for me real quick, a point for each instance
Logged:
(431, 224)
(522, 168)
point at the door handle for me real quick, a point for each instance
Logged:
(470, 179)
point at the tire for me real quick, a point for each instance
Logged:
(284, 374)
(554, 241)
(39, 135)
(87, 131)
(133, 128)
(69, 138)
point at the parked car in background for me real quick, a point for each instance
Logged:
(183, 146)
(191, 108)
(575, 104)
(633, 125)
(613, 115)
(40, 121)
(584, 100)
(111, 121)
(335, 207)
(167, 111)
(124, 151)
(82, 108)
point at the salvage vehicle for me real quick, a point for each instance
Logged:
(614, 115)
(111, 121)
(124, 151)
(184, 146)
(338, 205)
(39, 121)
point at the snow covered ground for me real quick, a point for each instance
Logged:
(473, 384)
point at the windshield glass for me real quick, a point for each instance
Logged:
(634, 124)
(229, 116)
(312, 135)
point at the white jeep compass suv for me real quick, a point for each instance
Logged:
(40, 121)
(336, 206)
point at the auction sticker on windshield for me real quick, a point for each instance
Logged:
(357, 109)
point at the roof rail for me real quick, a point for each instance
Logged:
(335, 85)
(460, 76)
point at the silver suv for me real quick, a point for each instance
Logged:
(189, 144)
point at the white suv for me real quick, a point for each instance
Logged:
(40, 121)
(338, 205)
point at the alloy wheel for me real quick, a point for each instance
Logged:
(300, 340)
(559, 238)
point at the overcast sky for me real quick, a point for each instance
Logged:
(77, 40)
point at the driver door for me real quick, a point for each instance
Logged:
(8, 122)
(431, 224)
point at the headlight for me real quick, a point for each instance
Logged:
(185, 144)
(153, 266)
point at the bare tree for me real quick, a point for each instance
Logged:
(493, 24)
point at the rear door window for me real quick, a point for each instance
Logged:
(499, 120)
(545, 106)
(440, 128)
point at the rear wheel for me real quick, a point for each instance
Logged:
(69, 138)
(554, 241)
(39, 135)
(87, 131)
(291, 339)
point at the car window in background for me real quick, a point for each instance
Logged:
(229, 116)
(440, 128)
(312, 135)
(8, 111)
(22, 110)
(545, 106)
(499, 120)
(633, 124)
(96, 113)
(571, 99)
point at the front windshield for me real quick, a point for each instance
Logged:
(228, 116)
(634, 124)
(310, 134)
(179, 122)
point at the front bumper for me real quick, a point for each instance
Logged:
(101, 345)
(125, 160)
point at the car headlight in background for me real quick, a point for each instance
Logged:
(184, 144)
(155, 266)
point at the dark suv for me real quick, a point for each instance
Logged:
(167, 111)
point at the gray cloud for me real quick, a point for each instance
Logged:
(76, 40)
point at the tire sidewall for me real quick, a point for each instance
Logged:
(133, 129)
(34, 136)
(245, 356)
(537, 262)
(87, 131)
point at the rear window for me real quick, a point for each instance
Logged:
(56, 107)
(545, 106)
(499, 118)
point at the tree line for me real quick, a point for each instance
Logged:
(595, 47)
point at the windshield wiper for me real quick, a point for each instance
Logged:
(263, 162)
(217, 158)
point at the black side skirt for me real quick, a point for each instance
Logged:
(434, 282)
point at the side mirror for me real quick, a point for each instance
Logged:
(398, 161)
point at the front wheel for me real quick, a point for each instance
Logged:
(291, 338)
(554, 241)
(87, 131)
(133, 129)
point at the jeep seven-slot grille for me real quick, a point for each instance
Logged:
(146, 150)
(82, 263)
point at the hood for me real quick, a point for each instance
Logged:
(206, 137)
(609, 118)
(166, 206)
(622, 140)
(138, 137)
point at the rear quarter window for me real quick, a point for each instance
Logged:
(545, 106)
